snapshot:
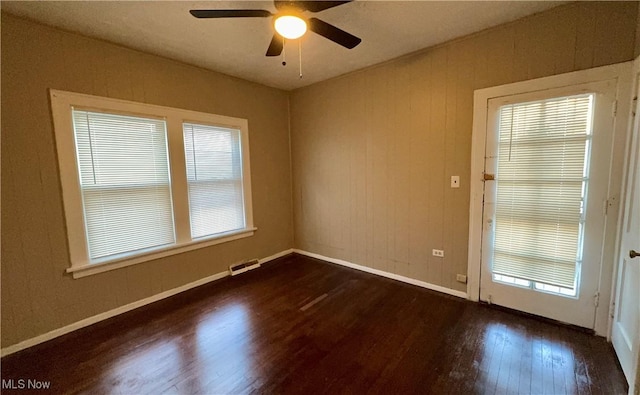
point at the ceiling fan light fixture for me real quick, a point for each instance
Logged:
(290, 26)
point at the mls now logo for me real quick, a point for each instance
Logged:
(21, 384)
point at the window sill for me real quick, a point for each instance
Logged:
(84, 270)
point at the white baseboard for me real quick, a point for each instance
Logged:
(123, 309)
(382, 273)
(275, 256)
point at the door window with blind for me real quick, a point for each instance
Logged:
(542, 183)
(141, 181)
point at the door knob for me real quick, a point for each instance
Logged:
(633, 254)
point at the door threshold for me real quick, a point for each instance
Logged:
(538, 317)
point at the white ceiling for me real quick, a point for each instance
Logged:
(236, 47)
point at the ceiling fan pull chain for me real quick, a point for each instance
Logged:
(300, 56)
(284, 53)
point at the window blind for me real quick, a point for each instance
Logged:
(214, 175)
(124, 179)
(541, 187)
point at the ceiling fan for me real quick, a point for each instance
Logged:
(290, 23)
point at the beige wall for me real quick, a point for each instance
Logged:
(636, 52)
(36, 294)
(373, 151)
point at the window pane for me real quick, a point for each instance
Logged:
(541, 186)
(124, 178)
(214, 173)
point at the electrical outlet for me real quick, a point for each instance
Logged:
(439, 253)
(461, 278)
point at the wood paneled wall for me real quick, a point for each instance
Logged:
(636, 53)
(37, 296)
(373, 151)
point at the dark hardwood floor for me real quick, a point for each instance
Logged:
(299, 325)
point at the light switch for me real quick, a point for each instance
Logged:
(455, 181)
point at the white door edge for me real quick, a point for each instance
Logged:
(620, 339)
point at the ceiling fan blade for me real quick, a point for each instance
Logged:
(313, 6)
(317, 6)
(230, 13)
(334, 34)
(275, 47)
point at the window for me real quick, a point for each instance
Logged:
(141, 182)
(124, 179)
(214, 174)
(543, 162)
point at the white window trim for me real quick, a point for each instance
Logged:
(62, 103)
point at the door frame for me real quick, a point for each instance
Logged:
(622, 73)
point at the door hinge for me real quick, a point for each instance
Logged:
(612, 310)
(596, 299)
(614, 109)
